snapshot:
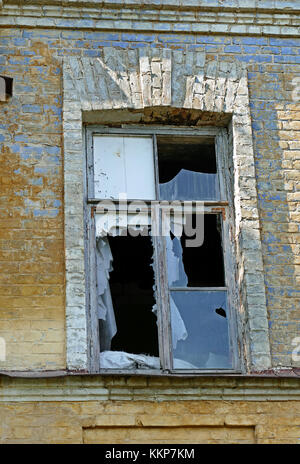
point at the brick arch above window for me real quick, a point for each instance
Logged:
(206, 89)
(152, 77)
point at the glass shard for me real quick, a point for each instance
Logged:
(207, 343)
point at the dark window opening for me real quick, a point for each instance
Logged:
(201, 266)
(187, 169)
(131, 285)
(7, 88)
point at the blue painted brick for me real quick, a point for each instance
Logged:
(130, 37)
(287, 59)
(272, 50)
(232, 49)
(38, 181)
(15, 148)
(19, 41)
(175, 38)
(33, 150)
(120, 44)
(7, 51)
(250, 49)
(69, 51)
(31, 109)
(91, 52)
(19, 61)
(27, 34)
(40, 212)
(138, 45)
(40, 170)
(256, 126)
(250, 40)
(290, 51)
(288, 42)
(75, 34)
(254, 41)
(98, 44)
(255, 58)
(27, 52)
(53, 150)
(212, 40)
(21, 138)
(210, 48)
(100, 36)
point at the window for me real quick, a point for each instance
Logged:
(161, 279)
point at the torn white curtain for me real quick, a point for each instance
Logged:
(105, 306)
(176, 273)
(109, 223)
(123, 360)
(175, 270)
(112, 223)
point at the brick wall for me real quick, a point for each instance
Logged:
(32, 263)
(32, 267)
(143, 422)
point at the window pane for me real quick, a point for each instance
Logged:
(205, 344)
(124, 165)
(187, 169)
(133, 344)
(200, 266)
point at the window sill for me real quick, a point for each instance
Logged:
(270, 373)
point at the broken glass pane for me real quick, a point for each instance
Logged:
(204, 314)
(131, 286)
(187, 169)
(196, 266)
(106, 315)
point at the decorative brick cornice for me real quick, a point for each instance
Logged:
(284, 6)
(266, 17)
(142, 388)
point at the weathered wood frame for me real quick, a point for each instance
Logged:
(219, 137)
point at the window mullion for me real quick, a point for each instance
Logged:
(220, 147)
(162, 292)
(156, 173)
(90, 165)
(93, 321)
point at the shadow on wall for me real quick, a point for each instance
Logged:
(157, 115)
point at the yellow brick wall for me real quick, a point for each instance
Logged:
(148, 422)
(32, 294)
(32, 265)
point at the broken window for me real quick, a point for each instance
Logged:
(187, 171)
(161, 286)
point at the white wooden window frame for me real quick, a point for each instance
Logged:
(224, 206)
